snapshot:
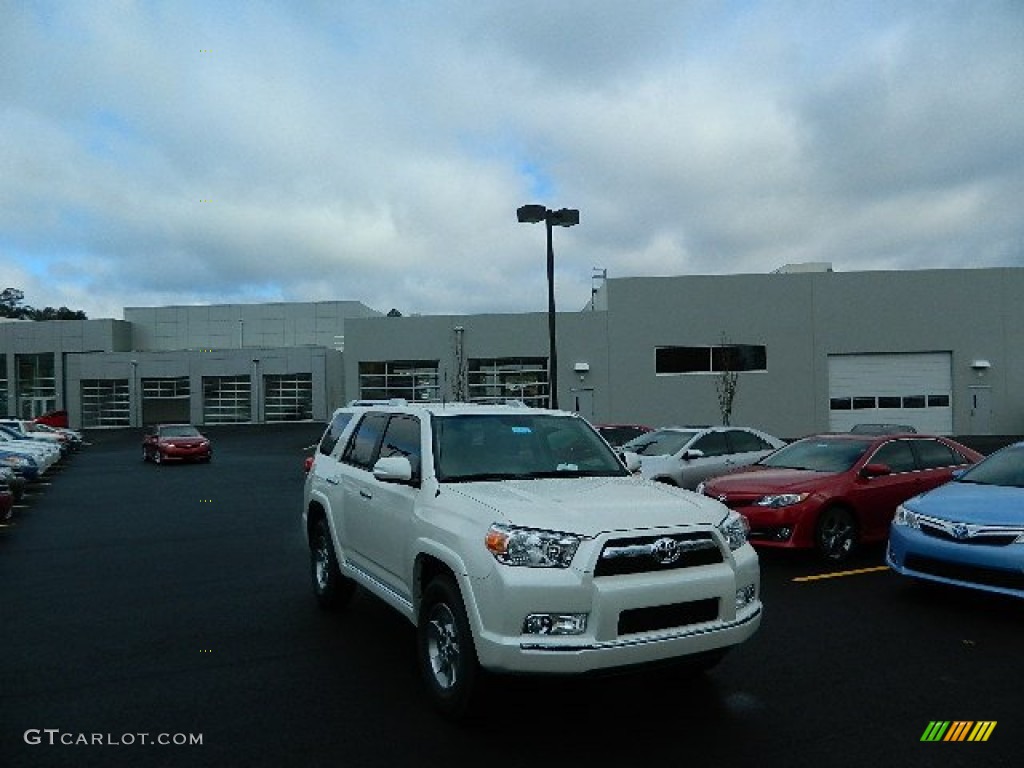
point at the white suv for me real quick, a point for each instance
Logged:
(515, 541)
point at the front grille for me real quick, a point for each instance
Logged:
(660, 617)
(641, 555)
(991, 538)
(992, 577)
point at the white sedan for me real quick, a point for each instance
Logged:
(684, 456)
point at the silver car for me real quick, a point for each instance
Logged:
(684, 456)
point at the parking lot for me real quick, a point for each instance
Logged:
(162, 615)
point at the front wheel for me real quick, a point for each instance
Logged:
(447, 654)
(836, 535)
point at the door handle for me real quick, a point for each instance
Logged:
(365, 494)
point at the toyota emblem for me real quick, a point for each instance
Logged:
(666, 551)
(960, 531)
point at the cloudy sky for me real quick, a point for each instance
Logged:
(157, 153)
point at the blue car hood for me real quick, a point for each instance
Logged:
(971, 503)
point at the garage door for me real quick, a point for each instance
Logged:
(914, 389)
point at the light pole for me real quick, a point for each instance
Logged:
(564, 217)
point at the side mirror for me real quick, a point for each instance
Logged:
(875, 470)
(692, 453)
(393, 469)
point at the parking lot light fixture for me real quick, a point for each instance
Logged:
(564, 217)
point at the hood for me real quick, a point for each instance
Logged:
(593, 505)
(756, 479)
(972, 503)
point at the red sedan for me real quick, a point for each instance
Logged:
(832, 492)
(175, 442)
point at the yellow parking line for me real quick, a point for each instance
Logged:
(835, 574)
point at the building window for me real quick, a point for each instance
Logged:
(288, 398)
(3, 385)
(164, 389)
(413, 380)
(711, 359)
(105, 403)
(227, 399)
(493, 380)
(36, 384)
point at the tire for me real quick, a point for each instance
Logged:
(836, 534)
(332, 590)
(446, 651)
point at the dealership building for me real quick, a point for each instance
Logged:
(810, 350)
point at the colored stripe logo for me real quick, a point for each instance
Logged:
(958, 730)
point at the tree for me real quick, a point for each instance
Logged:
(11, 298)
(728, 379)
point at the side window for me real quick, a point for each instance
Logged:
(402, 438)
(932, 454)
(745, 442)
(333, 432)
(362, 446)
(897, 454)
(713, 444)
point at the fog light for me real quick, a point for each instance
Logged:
(555, 624)
(745, 596)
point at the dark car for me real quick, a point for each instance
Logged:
(882, 429)
(618, 434)
(175, 442)
(832, 492)
(6, 500)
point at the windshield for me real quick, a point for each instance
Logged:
(179, 430)
(660, 442)
(818, 455)
(1005, 467)
(520, 446)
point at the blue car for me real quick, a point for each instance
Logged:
(968, 532)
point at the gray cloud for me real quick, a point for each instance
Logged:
(184, 153)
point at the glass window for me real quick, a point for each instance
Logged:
(890, 402)
(105, 403)
(227, 399)
(742, 441)
(709, 359)
(402, 438)
(934, 453)
(938, 401)
(861, 403)
(712, 444)
(840, 404)
(413, 380)
(333, 432)
(494, 380)
(914, 401)
(897, 454)
(288, 397)
(362, 448)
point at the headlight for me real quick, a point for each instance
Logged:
(14, 461)
(781, 499)
(735, 528)
(905, 517)
(530, 547)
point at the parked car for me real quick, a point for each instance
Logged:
(24, 466)
(54, 418)
(513, 540)
(882, 429)
(14, 485)
(75, 438)
(619, 434)
(175, 442)
(6, 500)
(684, 456)
(46, 454)
(832, 492)
(27, 428)
(968, 532)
